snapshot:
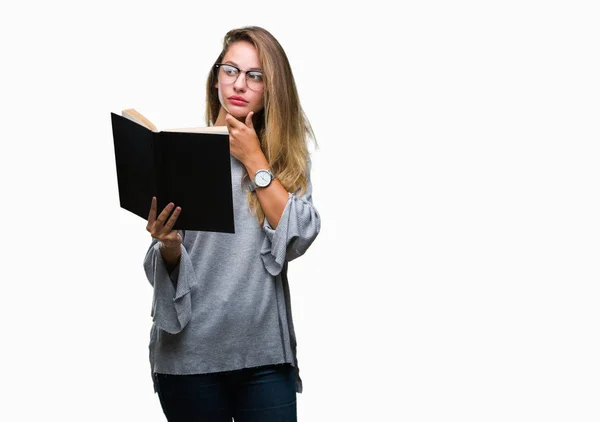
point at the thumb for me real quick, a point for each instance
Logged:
(249, 122)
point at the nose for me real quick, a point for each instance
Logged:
(240, 82)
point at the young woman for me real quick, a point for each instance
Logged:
(222, 344)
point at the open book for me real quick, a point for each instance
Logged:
(190, 167)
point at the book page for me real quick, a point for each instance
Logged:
(136, 116)
(133, 114)
(208, 129)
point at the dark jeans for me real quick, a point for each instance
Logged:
(265, 394)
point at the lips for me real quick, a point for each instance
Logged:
(237, 99)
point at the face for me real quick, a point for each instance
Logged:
(237, 98)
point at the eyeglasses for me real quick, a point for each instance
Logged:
(228, 74)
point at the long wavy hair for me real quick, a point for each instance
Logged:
(282, 127)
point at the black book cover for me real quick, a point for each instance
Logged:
(192, 170)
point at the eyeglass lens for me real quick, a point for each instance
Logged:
(229, 74)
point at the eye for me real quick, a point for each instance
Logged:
(229, 70)
(255, 76)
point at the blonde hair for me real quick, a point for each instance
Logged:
(281, 126)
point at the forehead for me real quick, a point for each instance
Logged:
(242, 54)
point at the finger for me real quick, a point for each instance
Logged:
(232, 121)
(229, 124)
(249, 122)
(174, 236)
(152, 214)
(172, 220)
(160, 221)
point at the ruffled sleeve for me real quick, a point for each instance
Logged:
(171, 304)
(297, 229)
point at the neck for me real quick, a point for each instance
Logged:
(221, 118)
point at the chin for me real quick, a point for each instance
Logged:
(239, 114)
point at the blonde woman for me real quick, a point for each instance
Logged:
(222, 342)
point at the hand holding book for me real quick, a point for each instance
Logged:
(170, 240)
(161, 228)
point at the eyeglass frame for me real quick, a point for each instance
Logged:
(218, 65)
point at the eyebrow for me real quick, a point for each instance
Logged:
(237, 65)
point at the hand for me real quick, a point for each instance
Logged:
(162, 231)
(243, 141)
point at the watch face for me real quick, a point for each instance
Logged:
(262, 179)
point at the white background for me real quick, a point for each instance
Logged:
(456, 274)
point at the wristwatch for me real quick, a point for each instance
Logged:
(262, 179)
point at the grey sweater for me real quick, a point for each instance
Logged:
(227, 304)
